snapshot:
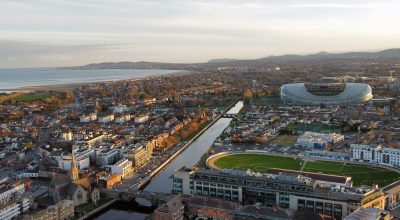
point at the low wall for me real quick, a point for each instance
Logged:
(98, 209)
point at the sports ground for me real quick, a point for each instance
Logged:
(361, 174)
(285, 139)
(315, 127)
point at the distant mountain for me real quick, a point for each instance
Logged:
(390, 53)
(321, 56)
(133, 65)
(223, 60)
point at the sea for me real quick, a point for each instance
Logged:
(17, 78)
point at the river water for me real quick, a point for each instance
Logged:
(162, 182)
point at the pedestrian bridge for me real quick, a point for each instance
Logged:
(156, 198)
(234, 116)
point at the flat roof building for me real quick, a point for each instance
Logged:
(324, 194)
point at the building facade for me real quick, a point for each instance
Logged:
(14, 208)
(315, 140)
(122, 167)
(378, 155)
(285, 190)
(60, 211)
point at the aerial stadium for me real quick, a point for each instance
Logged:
(326, 93)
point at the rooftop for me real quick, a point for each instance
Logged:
(315, 176)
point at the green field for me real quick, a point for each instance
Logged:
(269, 100)
(32, 97)
(361, 174)
(315, 127)
(285, 139)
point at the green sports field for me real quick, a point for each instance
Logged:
(361, 174)
(314, 127)
(268, 100)
(285, 139)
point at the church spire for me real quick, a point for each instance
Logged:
(74, 175)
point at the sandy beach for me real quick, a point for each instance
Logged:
(70, 86)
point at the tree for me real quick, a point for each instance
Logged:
(247, 96)
(69, 95)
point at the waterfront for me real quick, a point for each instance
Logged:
(125, 210)
(162, 182)
(17, 78)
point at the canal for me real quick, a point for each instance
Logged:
(189, 157)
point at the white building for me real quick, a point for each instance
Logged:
(123, 118)
(107, 156)
(26, 174)
(84, 119)
(15, 209)
(67, 136)
(64, 162)
(384, 156)
(315, 140)
(106, 118)
(123, 167)
(120, 108)
(88, 118)
(7, 193)
(141, 118)
(324, 154)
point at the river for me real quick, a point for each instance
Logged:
(162, 182)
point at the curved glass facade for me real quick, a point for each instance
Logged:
(353, 93)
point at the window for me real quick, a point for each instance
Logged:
(80, 195)
(319, 207)
(328, 208)
(310, 206)
(301, 204)
(337, 210)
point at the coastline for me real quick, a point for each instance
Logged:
(63, 87)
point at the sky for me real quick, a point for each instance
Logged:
(45, 33)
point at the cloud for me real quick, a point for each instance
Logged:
(82, 31)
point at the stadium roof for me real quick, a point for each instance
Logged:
(331, 93)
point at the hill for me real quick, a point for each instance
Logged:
(321, 56)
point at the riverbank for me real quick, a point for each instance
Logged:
(145, 181)
(161, 181)
(98, 209)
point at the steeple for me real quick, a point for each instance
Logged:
(74, 175)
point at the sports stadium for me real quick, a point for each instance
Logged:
(326, 93)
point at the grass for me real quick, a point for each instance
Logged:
(269, 100)
(315, 127)
(285, 140)
(361, 174)
(87, 207)
(32, 97)
(258, 162)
